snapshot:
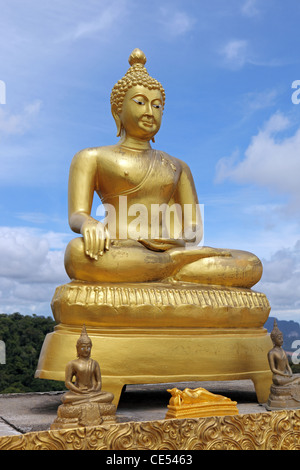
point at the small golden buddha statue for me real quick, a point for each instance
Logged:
(130, 175)
(285, 390)
(85, 404)
(197, 403)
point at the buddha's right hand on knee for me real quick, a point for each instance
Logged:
(95, 237)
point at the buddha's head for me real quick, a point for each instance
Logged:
(137, 100)
(276, 335)
(84, 344)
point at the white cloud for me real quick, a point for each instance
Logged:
(32, 266)
(269, 161)
(281, 282)
(235, 53)
(31, 255)
(249, 8)
(176, 23)
(19, 123)
(254, 101)
(109, 18)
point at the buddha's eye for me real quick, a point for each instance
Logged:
(138, 101)
(157, 106)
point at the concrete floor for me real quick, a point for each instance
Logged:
(21, 413)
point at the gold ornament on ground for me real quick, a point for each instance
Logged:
(198, 402)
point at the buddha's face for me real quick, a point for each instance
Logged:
(278, 340)
(84, 349)
(141, 112)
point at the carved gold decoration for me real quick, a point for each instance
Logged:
(138, 305)
(198, 402)
(278, 430)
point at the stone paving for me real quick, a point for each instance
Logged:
(7, 430)
(22, 413)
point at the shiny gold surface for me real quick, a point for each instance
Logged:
(158, 306)
(164, 355)
(198, 402)
(278, 430)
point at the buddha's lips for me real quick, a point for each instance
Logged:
(148, 123)
(148, 119)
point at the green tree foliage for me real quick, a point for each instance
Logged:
(23, 336)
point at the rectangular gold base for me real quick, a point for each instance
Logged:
(148, 356)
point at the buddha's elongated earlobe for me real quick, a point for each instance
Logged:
(153, 140)
(117, 121)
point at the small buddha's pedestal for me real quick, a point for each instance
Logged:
(283, 397)
(147, 333)
(81, 415)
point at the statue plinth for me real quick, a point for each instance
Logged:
(162, 333)
(285, 397)
(89, 414)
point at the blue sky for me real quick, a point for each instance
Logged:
(227, 68)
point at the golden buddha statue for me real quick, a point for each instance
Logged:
(149, 178)
(139, 279)
(85, 404)
(285, 389)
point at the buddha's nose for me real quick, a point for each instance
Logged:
(149, 110)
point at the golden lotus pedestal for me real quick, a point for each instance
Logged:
(161, 333)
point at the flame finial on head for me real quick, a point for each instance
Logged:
(275, 332)
(84, 338)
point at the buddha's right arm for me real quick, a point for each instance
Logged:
(82, 184)
(82, 179)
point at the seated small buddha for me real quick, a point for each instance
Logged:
(133, 180)
(87, 386)
(285, 389)
(84, 404)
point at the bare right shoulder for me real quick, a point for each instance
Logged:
(93, 155)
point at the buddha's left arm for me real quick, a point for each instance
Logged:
(97, 376)
(186, 195)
